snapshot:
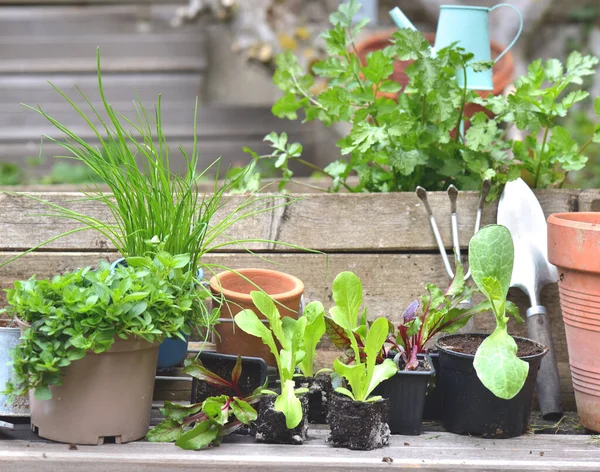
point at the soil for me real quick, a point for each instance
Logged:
(270, 424)
(319, 392)
(468, 344)
(250, 378)
(358, 425)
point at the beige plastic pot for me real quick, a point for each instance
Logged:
(285, 289)
(107, 395)
(574, 247)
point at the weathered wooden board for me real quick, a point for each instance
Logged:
(119, 88)
(428, 452)
(327, 222)
(390, 281)
(131, 39)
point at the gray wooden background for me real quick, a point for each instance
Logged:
(56, 40)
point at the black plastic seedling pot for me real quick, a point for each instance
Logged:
(433, 398)
(406, 392)
(470, 408)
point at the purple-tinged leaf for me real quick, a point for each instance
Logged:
(411, 312)
(236, 372)
(166, 431)
(200, 372)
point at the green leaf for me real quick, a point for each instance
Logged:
(498, 366)
(314, 313)
(286, 107)
(267, 307)
(347, 295)
(168, 430)
(491, 258)
(181, 260)
(378, 67)
(42, 392)
(215, 410)
(249, 323)
(177, 412)
(289, 405)
(243, 411)
(345, 391)
(201, 436)
(355, 375)
(381, 372)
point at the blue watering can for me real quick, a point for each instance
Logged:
(470, 28)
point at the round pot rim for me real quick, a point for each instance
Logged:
(472, 356)
(245, 297)
(575, 220)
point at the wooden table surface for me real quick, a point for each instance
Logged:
(432, 451)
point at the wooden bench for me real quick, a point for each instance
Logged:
(386, 240)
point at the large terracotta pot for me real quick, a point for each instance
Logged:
(574, 247)
(107, 395)
(285, 289)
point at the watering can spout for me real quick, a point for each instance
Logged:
(400, 19)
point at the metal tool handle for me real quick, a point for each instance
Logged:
(548, 381)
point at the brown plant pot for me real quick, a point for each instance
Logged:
(503, 70)
(102, 395)
(574, 247)
(285, 289)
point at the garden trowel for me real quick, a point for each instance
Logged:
(520, 211)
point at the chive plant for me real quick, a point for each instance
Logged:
(150, 203)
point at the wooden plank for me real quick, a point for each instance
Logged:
(428, 452)
(18, 123)
(328, 222)
(390, 283)
(119, 88)
(75, 20)
(120, 53)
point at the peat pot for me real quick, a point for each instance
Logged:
(9, 339)
(235, 288)
(406, 392)
(270, 424)
(468, 407)
(319, 393)
(358, 425)
(574, 247)
(107, 395)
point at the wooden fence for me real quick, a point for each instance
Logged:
(384, 238)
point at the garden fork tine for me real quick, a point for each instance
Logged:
(485, 189)
(422, 194)
(453, 195)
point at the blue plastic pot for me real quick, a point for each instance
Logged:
(172, 351)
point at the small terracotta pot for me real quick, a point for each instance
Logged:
(574, 247)
(285, 289)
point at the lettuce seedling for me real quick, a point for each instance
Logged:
(365, 373)
(211, 419)
(289, 333)
(442, 312)
(491, 257)
(314, 331)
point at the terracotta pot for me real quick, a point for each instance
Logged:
(102, 395)
(285, 289)
(574, 247)
(503, 70)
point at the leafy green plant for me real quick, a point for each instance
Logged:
(441, 312)
(491, 257)
(79, 312)
(397, 144)
(366, 340)
(289, 333)
(204, 424)
(148, 200)
(314, 331)
(541, 98)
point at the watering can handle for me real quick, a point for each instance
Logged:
(518, 32)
